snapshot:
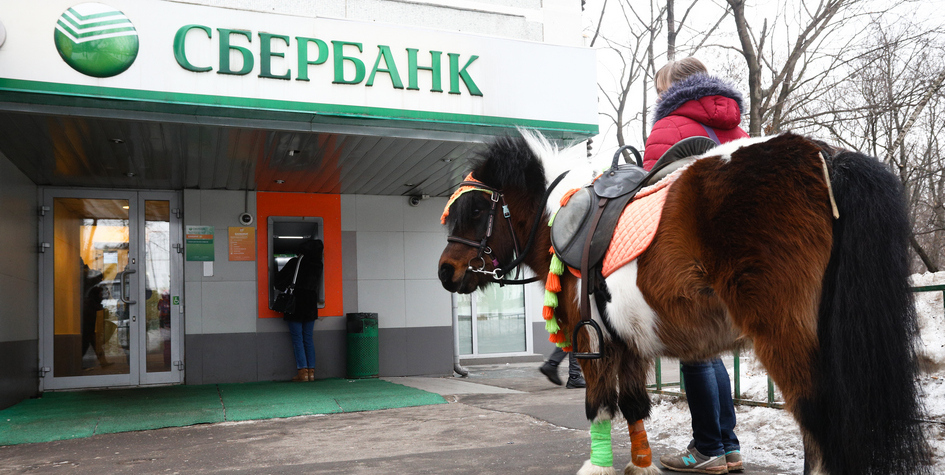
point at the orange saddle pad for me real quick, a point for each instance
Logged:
(637, 225)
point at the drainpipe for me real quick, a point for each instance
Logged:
(458, 368)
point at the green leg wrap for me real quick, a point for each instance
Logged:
(602, 453)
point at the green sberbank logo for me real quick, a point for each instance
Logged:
(96, 40)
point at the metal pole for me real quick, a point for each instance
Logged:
(659, 374)
(770, 392)
(456, 365)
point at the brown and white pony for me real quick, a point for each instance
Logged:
(747, 249)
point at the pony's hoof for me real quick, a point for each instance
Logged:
(632, 469)
(590, 469)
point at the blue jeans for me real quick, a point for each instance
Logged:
(302, 344)
(709, 393)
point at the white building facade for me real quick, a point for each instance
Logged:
(158, 158)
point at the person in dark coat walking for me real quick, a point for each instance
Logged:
(550, 369)
(694, 104)
(301, 319)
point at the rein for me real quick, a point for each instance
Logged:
(498, 272)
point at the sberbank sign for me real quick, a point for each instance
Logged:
(96, 40)
(347, 60)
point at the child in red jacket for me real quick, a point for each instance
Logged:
(691, 104)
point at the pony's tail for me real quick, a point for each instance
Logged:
(865, 408)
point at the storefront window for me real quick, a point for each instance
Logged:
(499, 326)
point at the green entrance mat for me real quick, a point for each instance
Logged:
(72, 415)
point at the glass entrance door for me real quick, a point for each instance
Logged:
(111, 297)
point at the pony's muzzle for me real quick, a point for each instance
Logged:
(445, 274)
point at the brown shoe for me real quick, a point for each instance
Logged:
(301, 376)
(310, 374)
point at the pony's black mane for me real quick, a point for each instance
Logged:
(509, 164)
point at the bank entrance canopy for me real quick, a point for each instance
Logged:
(147, 94)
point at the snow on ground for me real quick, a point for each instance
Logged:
(930, 307)
(770, 437)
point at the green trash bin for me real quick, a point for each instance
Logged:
(362, 345)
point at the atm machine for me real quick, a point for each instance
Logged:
(286, 234)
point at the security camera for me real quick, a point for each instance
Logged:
(246, 219)
(414, 200)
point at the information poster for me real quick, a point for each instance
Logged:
(199, 242)
(242, 244)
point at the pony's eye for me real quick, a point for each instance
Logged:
(477, 212)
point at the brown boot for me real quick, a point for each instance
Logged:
(311, 374)
(301, 376)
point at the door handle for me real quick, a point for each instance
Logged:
(121, 290)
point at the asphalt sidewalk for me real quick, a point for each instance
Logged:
(501, 419)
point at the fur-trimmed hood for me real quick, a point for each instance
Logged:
(694, 88)
(687, 108)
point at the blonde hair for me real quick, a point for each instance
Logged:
(675, 71)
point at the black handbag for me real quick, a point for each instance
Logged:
(285, 299)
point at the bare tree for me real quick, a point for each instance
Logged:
(633, 44)
(890, 105)
(674, 28)
(777, 71)
(841, 70)
(630, 47)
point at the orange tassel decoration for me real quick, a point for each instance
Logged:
(553, 283)
(556, 334)
(567, 196)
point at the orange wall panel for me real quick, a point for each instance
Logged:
(327, 207)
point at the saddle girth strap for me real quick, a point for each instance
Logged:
(585, 265)
(585, 308)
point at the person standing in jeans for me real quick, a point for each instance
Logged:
(301, 320)
(691, 104)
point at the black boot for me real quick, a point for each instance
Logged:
(550, 369)
(575, 378)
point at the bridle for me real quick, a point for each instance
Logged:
(498, 272)
(478, 263)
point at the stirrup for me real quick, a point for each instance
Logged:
(600, 341)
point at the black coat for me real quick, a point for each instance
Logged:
(307, 284)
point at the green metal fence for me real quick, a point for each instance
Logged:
(660, 387)
(679, 388)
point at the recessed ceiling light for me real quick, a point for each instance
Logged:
(408, 184)
(279, 182)
(130, 174)
(125, 207)
(116, 141)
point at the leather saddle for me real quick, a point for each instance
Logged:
(582, 230)
(607, 196)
